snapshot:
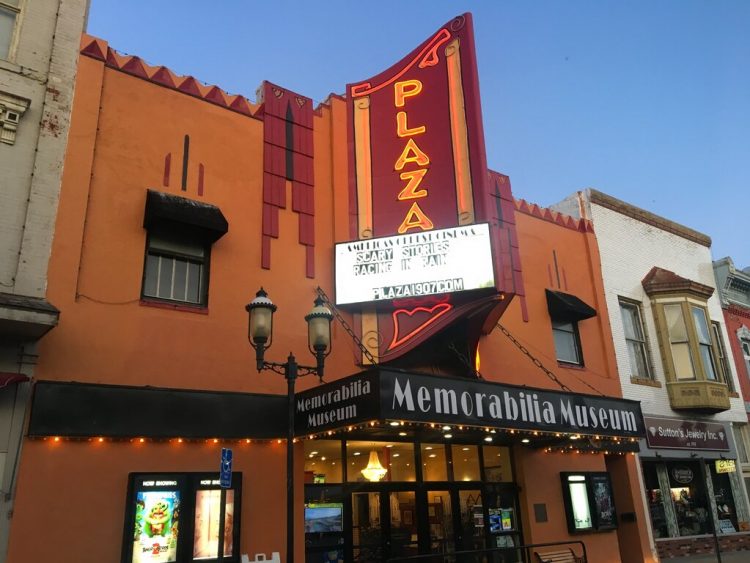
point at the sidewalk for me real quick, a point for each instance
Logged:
(729, 557)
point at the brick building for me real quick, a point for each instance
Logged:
(38, 55)
(733, 286)
(670, 341)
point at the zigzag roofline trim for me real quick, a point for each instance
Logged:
(133, 65)
(546, 214)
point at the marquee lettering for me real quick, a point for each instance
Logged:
(415, 217)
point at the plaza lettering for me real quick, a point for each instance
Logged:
(413, 155)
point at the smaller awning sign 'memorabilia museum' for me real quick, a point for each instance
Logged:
(392, 395)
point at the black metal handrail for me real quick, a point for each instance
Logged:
(478, 554)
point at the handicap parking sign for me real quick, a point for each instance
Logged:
(225, 473)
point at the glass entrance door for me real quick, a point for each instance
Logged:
(503, 520)
(385, 524)
(471, 520)
(441, 522)
(403, 539)
(367, 531)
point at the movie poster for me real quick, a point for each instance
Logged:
(156, 526)
(604, 505)
(208, 524)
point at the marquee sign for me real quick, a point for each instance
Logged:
(412, 397)
(414, 265)
(418, 171)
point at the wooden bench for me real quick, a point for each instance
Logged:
(561, 555)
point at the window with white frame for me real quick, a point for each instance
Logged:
(679, 341)
(742, 441)
(705, 349)
(635, 338)
(746, 353)
(567, 342)
(9, 10)
(725, 373)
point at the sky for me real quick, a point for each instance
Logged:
(648, 101)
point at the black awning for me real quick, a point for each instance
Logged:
(171, 210)
(567, 307)
(83, 409)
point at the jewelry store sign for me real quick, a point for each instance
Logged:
(414, 265)
(678, 434)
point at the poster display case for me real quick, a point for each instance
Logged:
(589, 503)
(181, 518)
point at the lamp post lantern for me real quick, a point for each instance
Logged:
(260, 334)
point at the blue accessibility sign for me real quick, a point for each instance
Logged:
(225, 473)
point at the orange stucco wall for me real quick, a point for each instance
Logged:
(122, 129)
(76, 494)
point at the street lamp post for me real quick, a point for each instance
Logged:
(260, 334)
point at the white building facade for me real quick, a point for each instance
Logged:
(672, 355)
(39, 43)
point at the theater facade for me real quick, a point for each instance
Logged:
(471, 398)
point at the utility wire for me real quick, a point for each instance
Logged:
(541, 366)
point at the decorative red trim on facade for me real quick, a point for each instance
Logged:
(165, 77)
(288, 156)
(167, 167)
(98, 49)
(739, 311)
(546, 214)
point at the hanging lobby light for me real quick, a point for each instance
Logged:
(374, 470)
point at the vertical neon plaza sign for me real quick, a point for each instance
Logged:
(421, 251)
(413, 126)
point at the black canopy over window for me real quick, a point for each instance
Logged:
(566, 307)
(166, 210)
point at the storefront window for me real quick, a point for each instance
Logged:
(688, 492)
(497, 468)
(725, 507)
(366, 529)
(465, 463)
(434, 467)
(322, 461)
(404, 525)
(440, 516)
(472, 518)
(396, 458)
(655, 501)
